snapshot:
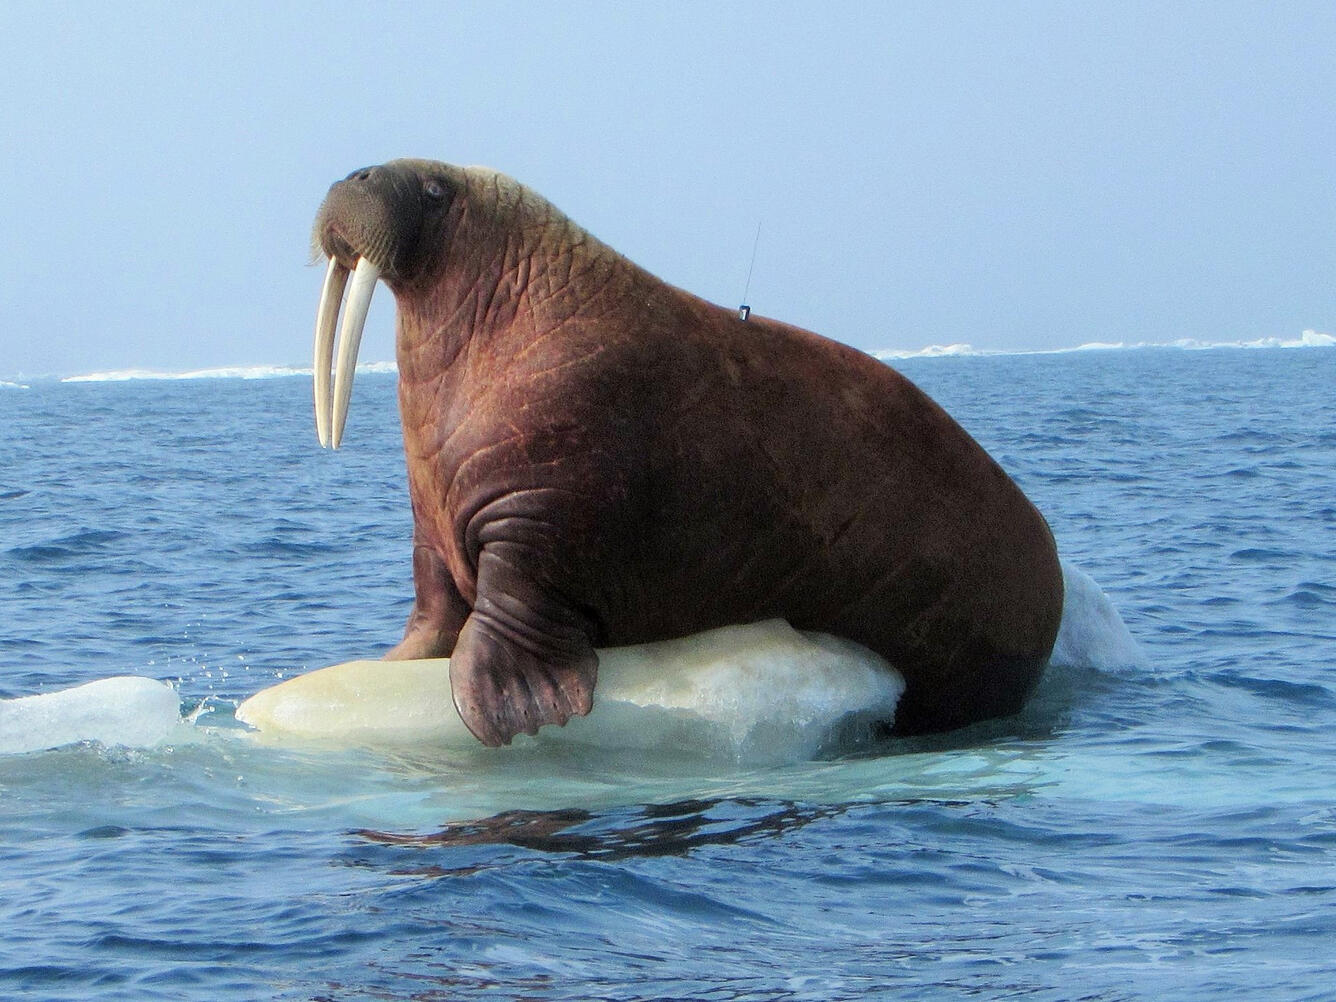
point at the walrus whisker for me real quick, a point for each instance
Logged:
(350, 339)
(326, 318)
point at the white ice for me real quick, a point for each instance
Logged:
(127, 710)
(1092, 634)
(763, 693)
(758, 693)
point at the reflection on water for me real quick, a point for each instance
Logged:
(654, 830)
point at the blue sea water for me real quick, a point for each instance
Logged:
(1153, 827)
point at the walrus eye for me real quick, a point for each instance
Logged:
(433, 191)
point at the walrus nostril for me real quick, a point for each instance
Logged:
(363, 174)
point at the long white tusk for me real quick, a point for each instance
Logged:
(326, 317)
(350, 339)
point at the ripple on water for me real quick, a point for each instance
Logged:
(67, 547)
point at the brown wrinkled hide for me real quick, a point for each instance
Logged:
(596, 458)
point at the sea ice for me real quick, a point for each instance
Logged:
(128, 710)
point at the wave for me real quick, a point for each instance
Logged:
(1308, 339)
(223, 372)
(5, 385)
(76, 544)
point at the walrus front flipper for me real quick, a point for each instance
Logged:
(522, 660)
(502, 688)
(438, 612)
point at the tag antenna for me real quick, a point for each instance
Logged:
(744, 311)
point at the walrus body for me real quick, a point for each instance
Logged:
(596, 458)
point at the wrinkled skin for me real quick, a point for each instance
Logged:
(596, 458)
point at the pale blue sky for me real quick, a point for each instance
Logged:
(1009, 175)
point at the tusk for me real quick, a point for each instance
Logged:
(326, 317)
(350, 339)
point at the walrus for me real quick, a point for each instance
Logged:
(597, 458)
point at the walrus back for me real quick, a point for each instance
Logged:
(807, 480)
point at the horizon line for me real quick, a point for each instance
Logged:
(1308, 339)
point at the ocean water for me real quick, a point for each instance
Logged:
(1159, 823)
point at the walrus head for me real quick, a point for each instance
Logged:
(388, 222)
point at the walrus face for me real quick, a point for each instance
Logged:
(379, 222)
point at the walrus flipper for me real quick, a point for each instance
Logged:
(438, 612)
(521, 661)
(502, 689)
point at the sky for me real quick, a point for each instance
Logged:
(1014, 176)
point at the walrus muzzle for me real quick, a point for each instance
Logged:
(369, 224)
